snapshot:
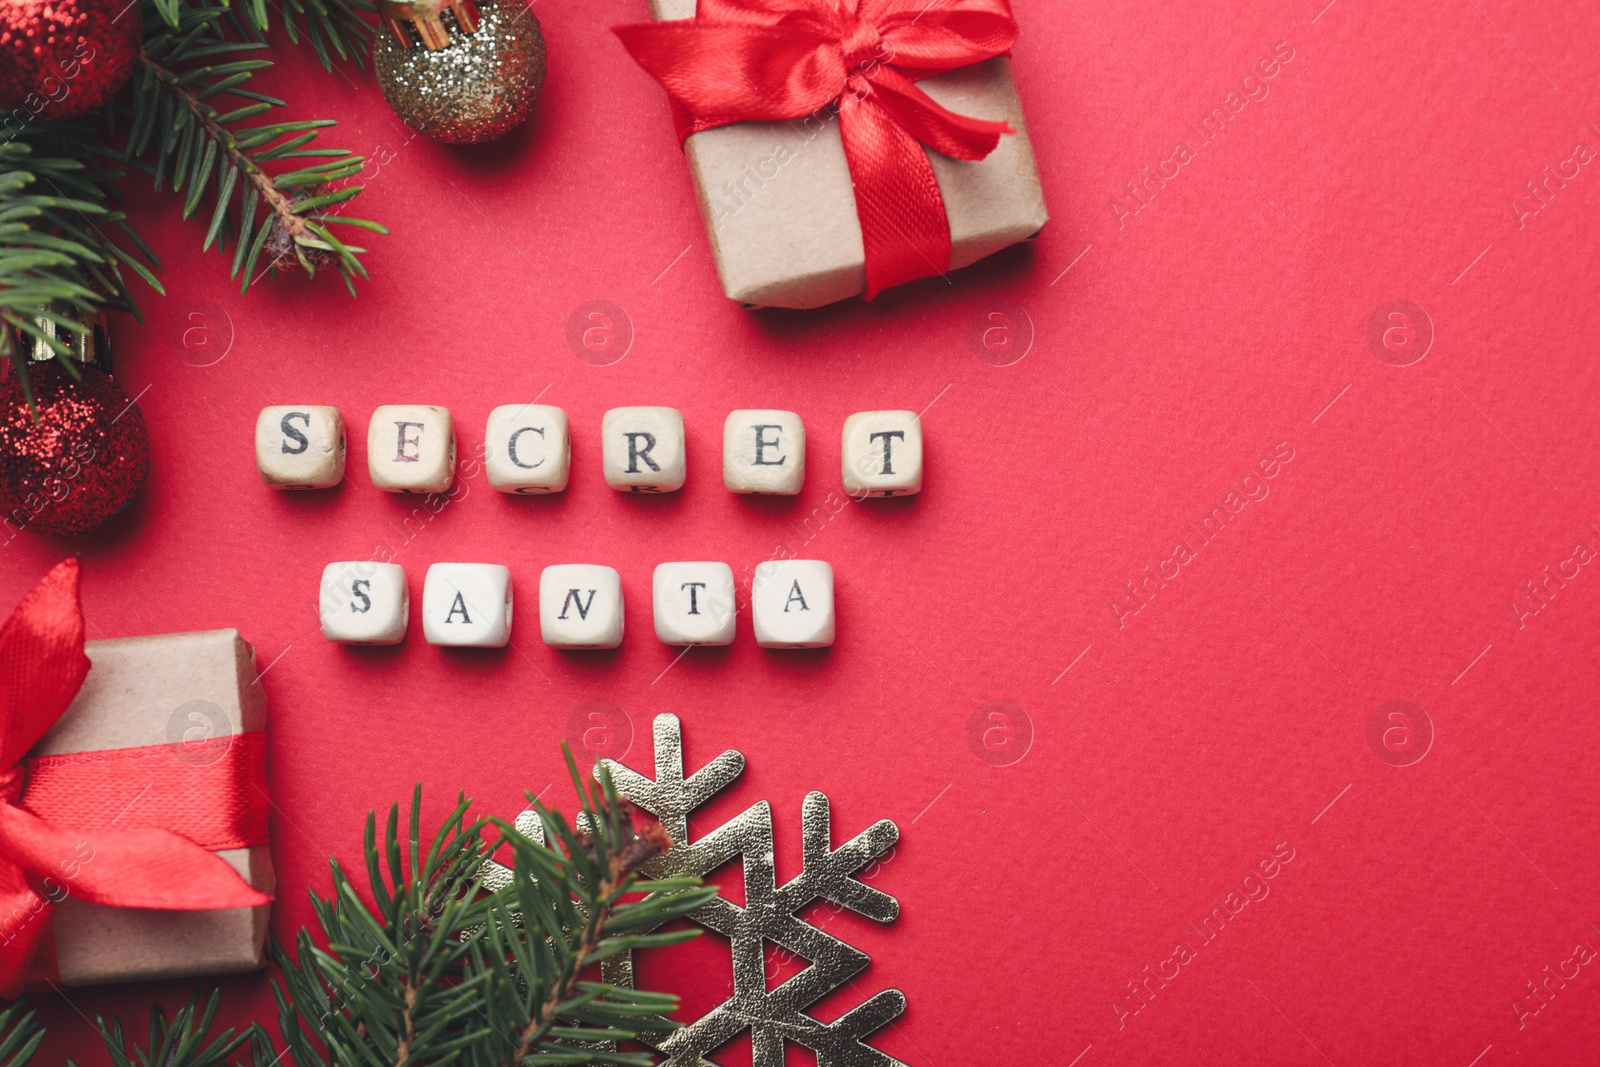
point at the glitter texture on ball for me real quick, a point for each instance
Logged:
(64, 58)
(75, 459)
(477, 87)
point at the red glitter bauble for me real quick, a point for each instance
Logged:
(62, 58)
(74, 462)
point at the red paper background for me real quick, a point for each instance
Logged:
(1166, 354)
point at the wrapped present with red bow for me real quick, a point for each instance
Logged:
(841, 147)
(133, 802)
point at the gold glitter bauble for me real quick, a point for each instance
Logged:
(475, 88)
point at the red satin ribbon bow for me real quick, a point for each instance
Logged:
(42, 860)
(741, 60)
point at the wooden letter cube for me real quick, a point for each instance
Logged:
(580, 606)
(467, 605)
(365, 603)
(791, 601)
(411, 448)
(693, 603)
(642, 450)
(527, 449)
(764, 451)
(300, 446)
(882, 453)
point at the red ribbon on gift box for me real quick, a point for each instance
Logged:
(744, 60)
(61, 831)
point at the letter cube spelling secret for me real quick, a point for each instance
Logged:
(642, 449)
(411, 448)
(527, 449)
(764, 451)
(300, 446)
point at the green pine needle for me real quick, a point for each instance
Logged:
(428, 966)
(194, 126)
(189, 121)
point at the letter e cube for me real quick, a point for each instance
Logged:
(411, 448)
(764, 451)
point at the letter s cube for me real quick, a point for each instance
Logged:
(300, 446)
(364, 603)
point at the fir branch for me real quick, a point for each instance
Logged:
(184, 1040)
(441, 970)
(337, 30)
(575, 1021)
(55, 211)
(20, 1034)
(176, 135)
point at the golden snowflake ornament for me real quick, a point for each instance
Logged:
(771, 912)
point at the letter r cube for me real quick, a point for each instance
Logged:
(642, 450)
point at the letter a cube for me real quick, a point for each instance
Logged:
(467, 605)
(791, 601)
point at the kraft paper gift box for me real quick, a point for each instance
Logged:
(780, 209)
(197, 697)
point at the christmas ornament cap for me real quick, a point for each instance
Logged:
(426, 20)
(92, 346)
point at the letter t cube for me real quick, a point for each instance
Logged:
(882, 453)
